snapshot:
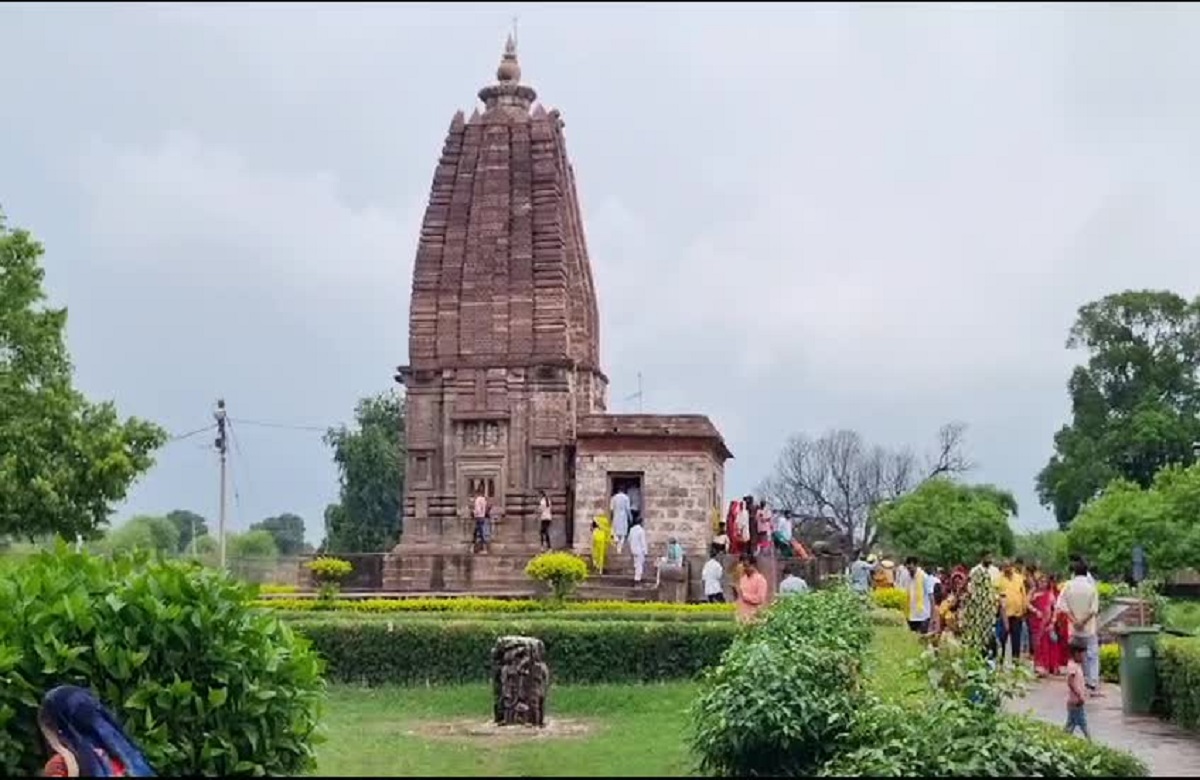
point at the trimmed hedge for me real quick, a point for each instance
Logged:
(414, 652)
(471, 604)
(1179, 680)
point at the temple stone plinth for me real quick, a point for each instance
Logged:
(520, 680)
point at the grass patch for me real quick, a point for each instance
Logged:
(1183, 614)
(637, 729)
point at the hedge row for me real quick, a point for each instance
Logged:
(1179, 680)
(555, 615)
(459, 651)
(471, 604)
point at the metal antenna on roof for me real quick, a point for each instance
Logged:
(638, 394)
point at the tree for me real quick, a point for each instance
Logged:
(1161, 519)
(1046, 549)
(370, 461)
(1134, 404)
(946, 523)
(144, 532)
(840, 480)
(64, 462)
(287, 530)
(187, 523)
(252, 544)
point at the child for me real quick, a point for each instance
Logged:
(1076, 717)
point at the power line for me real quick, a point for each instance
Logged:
(190, 434)
(284, 426)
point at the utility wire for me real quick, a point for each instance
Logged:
(285, 426)
(190, 434)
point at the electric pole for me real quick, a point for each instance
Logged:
(219, 415)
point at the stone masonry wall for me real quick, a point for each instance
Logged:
(680, 492)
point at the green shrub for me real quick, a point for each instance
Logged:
(890, 598)
(785, 693)
(562, 571)
(1179, 680)
(205, 684)
(270, 589)
(950, 738)
(1110, 662)
(459, 651)
(329, 573)
(476, 605)
(887, 617)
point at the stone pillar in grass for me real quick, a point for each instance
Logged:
(520, 680)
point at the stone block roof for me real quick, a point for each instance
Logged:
(673, 426)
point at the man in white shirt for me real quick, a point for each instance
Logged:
(639, 548)
(713, 575)
(619, 506)
(1079, 600)
(479, 512)
(793, 584)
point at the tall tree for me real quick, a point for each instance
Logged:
(840, 480)
(287, 530)
(945, 523)
(1134, 403)
(64, 462)
(188, 524)
(370, 460)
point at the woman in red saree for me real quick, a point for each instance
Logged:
(731, 530)
(1047, 636)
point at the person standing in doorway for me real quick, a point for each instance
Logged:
(544, 517)
(639, 548)
(751, 590)
(713, 575)
(635, 503)
(619, 508)
(479, 512)
(1080, 601)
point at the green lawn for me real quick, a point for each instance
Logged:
(636, 729)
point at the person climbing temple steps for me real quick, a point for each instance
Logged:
(639, 548)
(619, 507)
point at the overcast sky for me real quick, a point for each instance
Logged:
(800, 218)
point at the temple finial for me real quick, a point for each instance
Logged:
(510, 69)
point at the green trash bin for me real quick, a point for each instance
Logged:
(1139, 677)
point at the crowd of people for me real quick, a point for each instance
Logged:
(752, 527)
(628, 526)
(1011, 611)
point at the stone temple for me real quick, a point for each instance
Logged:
(505, 391)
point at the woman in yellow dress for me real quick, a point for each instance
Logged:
(601, 536)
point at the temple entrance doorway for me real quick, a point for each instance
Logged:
(631, 483)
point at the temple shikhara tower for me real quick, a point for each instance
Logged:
(505, 392)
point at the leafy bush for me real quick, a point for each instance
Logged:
(454, 651)
(473, 604)
(205, 684)
(1179, 680)
(785, 693)
(1110, 662)
(329, 573)
(888, 617)
(890, 598)
(144, 532)
(949, 738)
(252, 544)
(562, 571)
(962, 732)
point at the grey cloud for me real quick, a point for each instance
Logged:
(800, 217)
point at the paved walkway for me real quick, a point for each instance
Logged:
(1166, 749)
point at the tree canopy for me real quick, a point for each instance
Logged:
(64, 461)
(1161, 519)
(144, 532)
(287, 530)
(945, 523)
(187, 522)
(370, 459)
(1134, 403)
(839, 480)
(252, 544)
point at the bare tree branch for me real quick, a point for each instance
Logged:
(835, 483)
